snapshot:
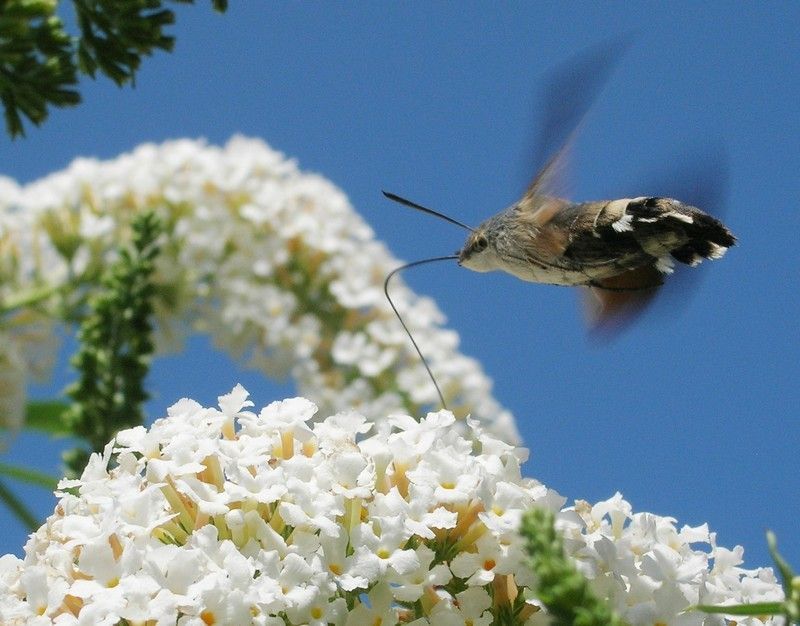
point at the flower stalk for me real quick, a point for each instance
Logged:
(115, 347)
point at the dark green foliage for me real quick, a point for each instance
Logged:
(115, 348)
(562, 589)
(115, 34)
(36, 66)
(39, 61)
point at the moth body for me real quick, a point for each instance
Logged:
(619, 250)
(623, 245)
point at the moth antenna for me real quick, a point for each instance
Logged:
(419, 207)
(399, 317)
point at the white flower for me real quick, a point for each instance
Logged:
(356, 349)
(470, 607)
(490, 559)
(444, 471)
(653, 572)
(379, 611)
(231, 516)
(410, 586)
(272, 262)
(415, 512)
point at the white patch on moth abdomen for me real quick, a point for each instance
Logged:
(717, 251)
(665, 264)
(623, 224)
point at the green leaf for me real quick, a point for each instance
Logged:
(19, 510)
(30, 476)
(791, 582)
(36, 60)
(757, 608)
(47, 416)
(39, 60)
(783, 567)
(28, 298)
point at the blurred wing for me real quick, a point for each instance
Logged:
(569, 91)
(613, 303)
(700, 179)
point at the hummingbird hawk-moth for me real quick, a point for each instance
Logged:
(619, 251)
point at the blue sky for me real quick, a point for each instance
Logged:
(692, 413)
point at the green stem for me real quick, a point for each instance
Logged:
(15, 505)
(28, 298)
(30, 476)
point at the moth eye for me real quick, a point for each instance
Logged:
(480, 244)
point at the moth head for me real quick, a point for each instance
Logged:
(478, 254)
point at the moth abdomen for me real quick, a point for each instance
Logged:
(687, 233)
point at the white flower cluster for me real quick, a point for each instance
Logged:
(652, 572)
(272, 262)
(228, 517)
